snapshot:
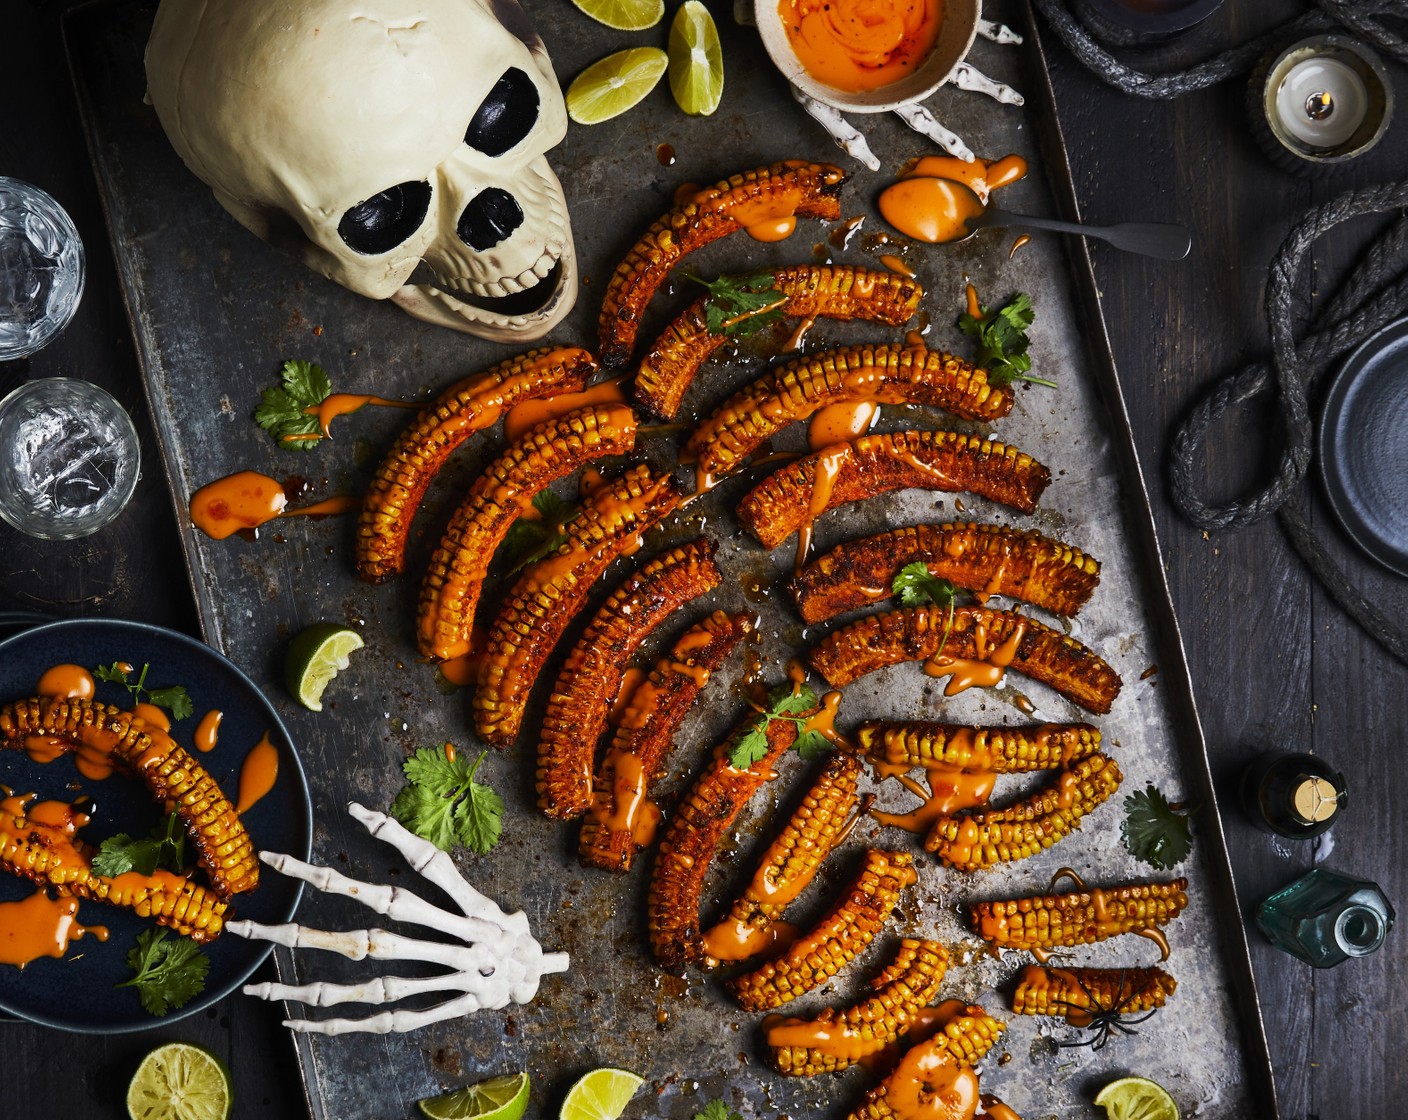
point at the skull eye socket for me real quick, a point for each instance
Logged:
(385, 220)
(506, 115)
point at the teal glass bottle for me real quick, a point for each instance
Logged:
(1324, 918)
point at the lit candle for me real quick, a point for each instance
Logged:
(1322, 102)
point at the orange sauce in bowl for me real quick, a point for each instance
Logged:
(861, 45)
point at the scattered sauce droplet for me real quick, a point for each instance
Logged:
(67, 682)
(895, 265)
(840, 237)
(208, 730)
(258, 773)
(241, 501)
(40, 926)
(665, 154)
(1012, 252)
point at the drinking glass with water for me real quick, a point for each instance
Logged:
(41, 269)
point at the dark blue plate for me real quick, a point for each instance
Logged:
(77, 992)
(1364, 446)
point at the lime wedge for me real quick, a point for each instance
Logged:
(608, 88)
(315, 656)
(499, 1098)
(624, 15)
(179, 1081)
(600, 1095)
(696, 60)
(1137, 1098)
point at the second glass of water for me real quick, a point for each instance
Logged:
(41, 269)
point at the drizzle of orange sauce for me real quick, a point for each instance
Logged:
(986, 670)
(67, 682)
(1012, 252)
(258, 773)
(685, 192)
(980, 176)
(92, 754)
(631, 680)
(528, 414)
(341, 404)
(834, 1038)
(627, 809)
(949, 790)
(151, 717)
(40, 926)
(829, 464)
(926, 1023)
(244, 500)
(858, 45)
(208, 730)
(772, 229)
(896, 265)
(732, 940)
(52, 823)
(837, 423)
(929, 1085)
(799, 332)
(461, 671)
(970, 295)
(338, 503)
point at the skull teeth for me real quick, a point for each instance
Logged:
(507, 285)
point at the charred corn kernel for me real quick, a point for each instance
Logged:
(831, 292)
(547, 596)
(796, 390)
(984, 559)
(466, 407)
(790, 188)
(450, 590)
(171, 775)
(830, 945)
(793, 858)
(973, 841)
(836, 1039)
(593, 672)
(1079, 917)
(1004, 750)
(798, 493)
(976, 634)
(1073, 993)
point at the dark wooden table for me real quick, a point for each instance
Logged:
(1274, 663)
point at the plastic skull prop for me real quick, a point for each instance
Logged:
(368, 137)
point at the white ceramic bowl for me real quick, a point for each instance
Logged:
(960, 25)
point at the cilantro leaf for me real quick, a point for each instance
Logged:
(914, 585)
(717, 1110)
(741, 305)
(811, 744)
(169, 974)
(750, 747)
(114, 673)
(165, 847)
(445, 805)
(1002, 341)
(530, 539)
(283, 410)
(1154, 832)
(174, 699)
(784, 702)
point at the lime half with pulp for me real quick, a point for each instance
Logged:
(619, 81)
(499, 1098)
(315, 656)
(600, 1095)
(623, 15)
(1137, 1098)
(180, 1081)
(696, 60)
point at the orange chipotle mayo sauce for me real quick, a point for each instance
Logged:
(258, 773)
(859, 45)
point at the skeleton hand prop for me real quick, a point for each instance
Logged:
(498, 962)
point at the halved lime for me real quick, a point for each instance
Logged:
(624, 15)
(499, 1098)
(600, 1095)
(608, 88)
(180, 1081)
(1137, 1098)
(315, 656)
(696, 60)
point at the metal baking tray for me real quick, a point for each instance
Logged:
(216, 312)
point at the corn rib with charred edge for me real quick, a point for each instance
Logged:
(908, 984)
(974, 841)
(984, 559)
(793, 858)
(1079, 917)
(1003, 750)
(829, 292)
(593, 672)
(834, 941)
(1072, 993)
(691, 840)
(804, 386)
(917, 634)
(547, 596)
(793, 496)
(795, 187)
(646, 734)
(171, 775)
(450, 591)
(466, 407)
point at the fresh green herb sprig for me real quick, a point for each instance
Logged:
(283, 409)
(445, 805)
(174, 699)
(165, 847)
(1002, 341)
(169, 973)
(1155, 832)
(741, 305)
(784, 702)
(914, 585)
(529, 540)
(717, 1110)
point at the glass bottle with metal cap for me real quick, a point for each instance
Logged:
(1293, 795)
(1324, 918)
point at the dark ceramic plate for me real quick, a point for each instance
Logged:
(1364, 446)
(77, 993)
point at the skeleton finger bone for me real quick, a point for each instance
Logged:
(998, 33)
(969, 77)
(848, 138)
(926, 124)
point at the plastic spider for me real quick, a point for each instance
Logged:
(1101, 1020)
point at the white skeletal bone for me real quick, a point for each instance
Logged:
(968, 77)
(926, 124)
(998, 33)
(847, 137)
(497, 959)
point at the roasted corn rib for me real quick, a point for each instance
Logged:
(796, 390)
(1004, 750)
(792, 497)
(838, 1038)
(450, 591)
(547, 596)
(1077, 993)
(834, 941)
(621, 819)
(978, 636)
(791, 861)
(830, 292)
(985, 559)
(171, 775)
(764, 194)
(974, 841)
(464, 408)
(691, 840)
(1079, 917)
(593, 672)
